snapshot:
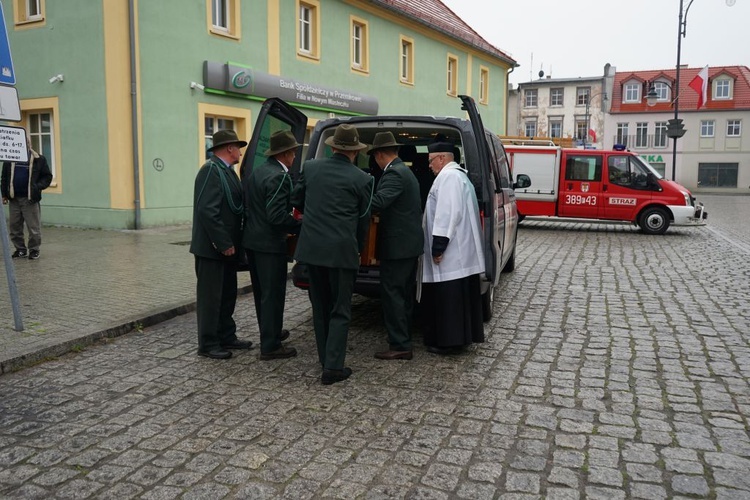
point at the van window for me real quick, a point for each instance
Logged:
(503, 173)
(583, 168)
(625, 171)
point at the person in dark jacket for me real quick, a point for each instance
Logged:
(268, 222)
(22, 184)
(216, 243)
(399, 244)
(334, 195)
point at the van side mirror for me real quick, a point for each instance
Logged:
(522, 181)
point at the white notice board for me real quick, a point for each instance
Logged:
(13, 146)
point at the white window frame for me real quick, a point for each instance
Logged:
(641, 135)
(660, 135)
(622, 133)
(708, 128)
(631, 92)
(452, 75)
(554, 94)
(722, 89)
(530, 98)
(582, 95)
(308, 29)
(582, 129)
(555, 123)
(662, 91)
(50, 106)
(484, 85)
(406, 60)
(360, 50)
(29, 12)
(530, 126)
(219, 7)
(734, 128)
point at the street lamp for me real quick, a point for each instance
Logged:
(588, 117)
(681, 32)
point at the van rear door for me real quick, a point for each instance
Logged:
(487, 203)
(275, 115)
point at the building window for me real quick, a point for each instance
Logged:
(632, 92)
(484, 85)
(406, 61)
(212, 124)
(555, 127)
(452, 75)
(722, 175)
(530, 128)
(308, 32)
(660, 167)
(29, 12)
(707, 128)
(40, 119)
(530, 98)
(734, 128)
(662, 91)
(360, 45)
(582, 129)
(225, 17)
(723, 89)
(641, 135)
(622, 134)
(556, 97)
(660, 135)
(582, 95)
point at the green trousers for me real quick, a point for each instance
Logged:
(397, 292)
(268, 273)
(216, 296)
(331, 297)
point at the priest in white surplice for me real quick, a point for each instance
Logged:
(451, 302)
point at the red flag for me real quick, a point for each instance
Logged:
(700, 85)
(592, 133)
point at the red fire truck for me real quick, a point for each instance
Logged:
(600, 185)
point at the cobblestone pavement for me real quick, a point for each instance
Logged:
(616, 366)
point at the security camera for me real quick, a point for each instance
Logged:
(195, 85)
(57, 78)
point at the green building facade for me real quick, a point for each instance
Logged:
(120, 94)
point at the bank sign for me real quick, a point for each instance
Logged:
(241, 80)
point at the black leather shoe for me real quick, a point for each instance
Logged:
(284, 335)
(280, 353)
(332, 376)
(238, 344)
(217, 353)
(394, 355)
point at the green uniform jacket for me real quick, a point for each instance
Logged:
(268, 208)
(334, 196)
(400, 234)
(217, 211)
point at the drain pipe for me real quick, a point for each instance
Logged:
(134, 118)
(507, 98)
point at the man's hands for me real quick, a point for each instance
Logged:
(228, 252)
(5, 200)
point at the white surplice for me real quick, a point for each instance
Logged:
(452, 211)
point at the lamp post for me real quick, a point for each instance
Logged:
(676, 123)
(588, 117)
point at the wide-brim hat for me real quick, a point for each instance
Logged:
(346, 138)
(282, 140)
(383, 140)
(224, 137)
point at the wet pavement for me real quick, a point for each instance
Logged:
(616, 366)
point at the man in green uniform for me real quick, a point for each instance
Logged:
(399, 245)
(268, 222)
(334, 196)
(217, 238)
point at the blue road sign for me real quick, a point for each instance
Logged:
(7, 75)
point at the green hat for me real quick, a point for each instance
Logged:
(281, 140)
(346, 138)
(224, 137)
(383, 140)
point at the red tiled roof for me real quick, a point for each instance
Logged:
(688, 97)
(435, 15)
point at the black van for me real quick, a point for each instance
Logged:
(476, 149)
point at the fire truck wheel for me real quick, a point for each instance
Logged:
(488, 298)
(654, 220)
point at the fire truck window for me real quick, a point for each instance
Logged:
(619, 170)
(584, 168)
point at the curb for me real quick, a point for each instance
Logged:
(150, 319)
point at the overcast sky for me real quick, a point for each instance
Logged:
(576, 38)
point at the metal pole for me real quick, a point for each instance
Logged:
(677, 92)
(11, 274)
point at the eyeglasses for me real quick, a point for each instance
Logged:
(429, 161)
